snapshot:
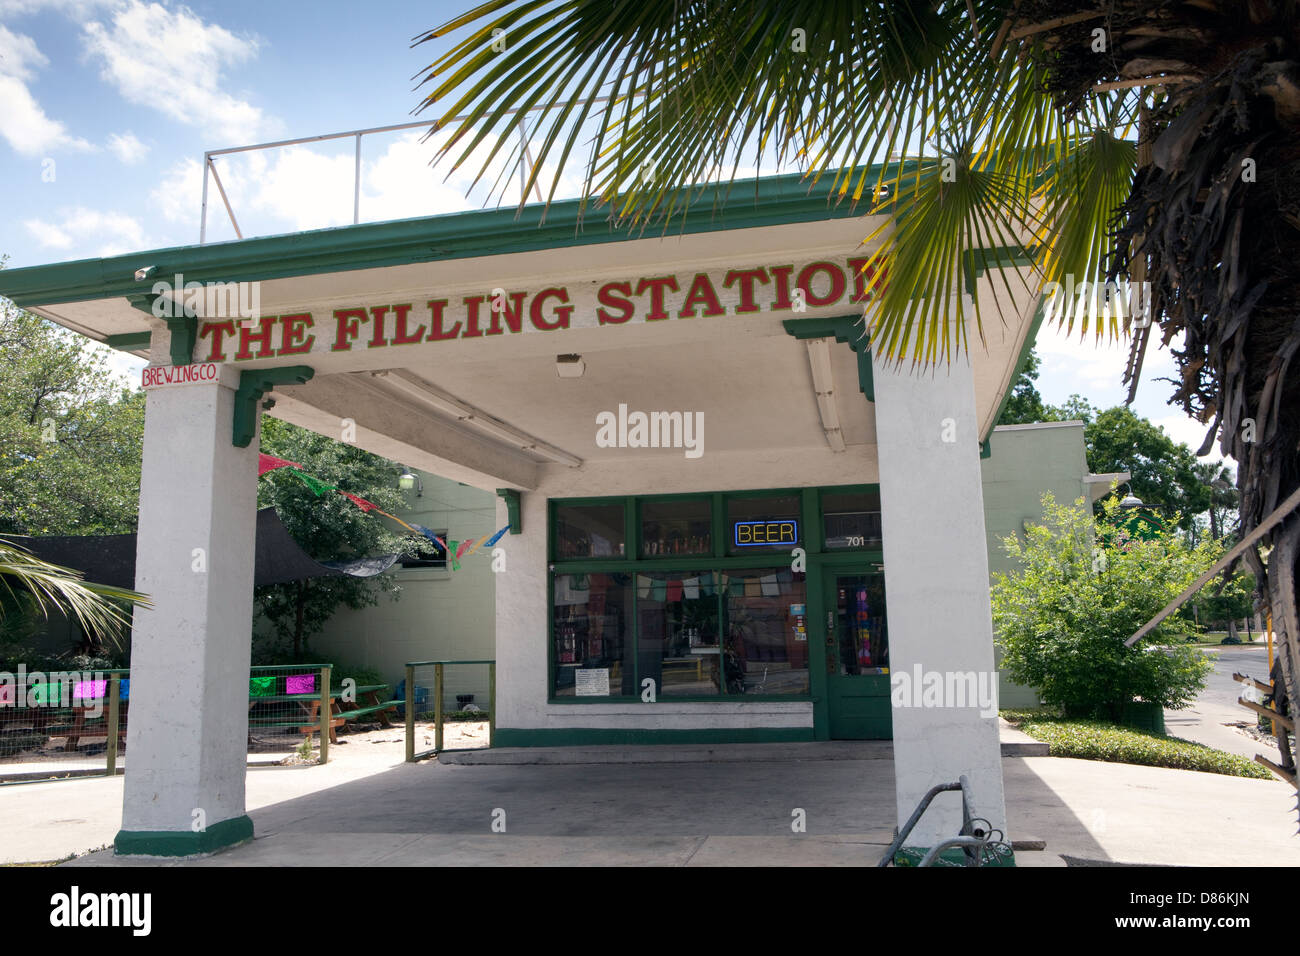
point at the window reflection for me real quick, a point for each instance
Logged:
(592, 628)
(766, 650)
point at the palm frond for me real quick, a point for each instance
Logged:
(53, 587)
(663, 98)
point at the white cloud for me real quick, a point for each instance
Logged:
(127, 147)
(177, 196)
(10, 9)
(172, 61)
(19, 57)
(112, 233)
(23, 123)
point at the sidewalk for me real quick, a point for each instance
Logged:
(369, 808)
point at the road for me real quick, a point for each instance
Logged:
(1209, 720)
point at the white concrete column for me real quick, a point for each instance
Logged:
(188, 717)
(937, 594)
(521, 622)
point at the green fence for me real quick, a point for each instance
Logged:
(444, 705)
(51, 724)
(288, 702)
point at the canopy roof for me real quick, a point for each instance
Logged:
(395, 319)
(110, 558)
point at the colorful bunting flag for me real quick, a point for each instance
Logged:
(453, 549)
(431, 536)
(267, 463)
(359, 502)
(315, 485)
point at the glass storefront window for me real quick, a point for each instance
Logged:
(851, 521)
(676, 527)
(677, 633)
(589, 531)
(758, 524)
(592, 629)
(766, 651)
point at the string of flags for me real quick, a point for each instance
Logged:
(455, 550)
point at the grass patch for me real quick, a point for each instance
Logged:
(1099, 740)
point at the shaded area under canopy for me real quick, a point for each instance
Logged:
(110, 558)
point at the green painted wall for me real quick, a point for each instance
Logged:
(1026, 461)
(441, 615)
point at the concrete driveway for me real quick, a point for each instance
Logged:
(371, 809)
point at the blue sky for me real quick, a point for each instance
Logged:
(107, 106)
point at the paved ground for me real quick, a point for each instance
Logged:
(370, 808)
(1211, 719)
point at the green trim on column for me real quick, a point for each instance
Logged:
(600, 736)
(813, 543)
(184, 328)
(986, 446)
(253, 384)
(912, 855)
(227, 833)
(843, 328)
(512, 500)
(129, 341)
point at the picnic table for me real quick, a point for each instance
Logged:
(369, 700)
(86, 706)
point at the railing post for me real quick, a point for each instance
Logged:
(492, 703)
(356, 186)
(410, 714)
(437, 707)
(326, 717)
(113, 685)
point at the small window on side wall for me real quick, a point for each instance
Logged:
(428, 555)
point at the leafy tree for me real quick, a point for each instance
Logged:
(69, 463)
(1224, 500)
(328, 527)
(70, 433)
(1164, 471)
(1166, 475)
(1151, 142)
(1025, 405)
(1083, 585)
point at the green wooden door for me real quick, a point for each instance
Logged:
(857, 656)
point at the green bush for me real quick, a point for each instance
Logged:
(1099, 740)
(1085, 585)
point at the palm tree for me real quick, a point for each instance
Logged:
(1143, 141)
(27, 583)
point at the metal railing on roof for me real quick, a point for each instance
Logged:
(209, 167)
